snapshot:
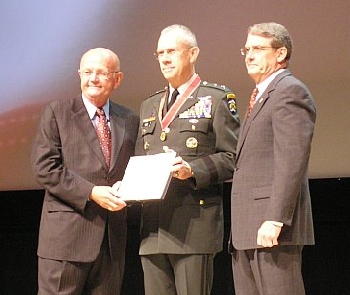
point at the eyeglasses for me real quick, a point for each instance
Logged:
(171, 52)
(254, 49)
(101, 75)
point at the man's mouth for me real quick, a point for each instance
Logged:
(167, 69)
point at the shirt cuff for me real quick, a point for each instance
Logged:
(276, 223)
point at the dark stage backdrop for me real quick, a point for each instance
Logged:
(42, 41)
(326, 266)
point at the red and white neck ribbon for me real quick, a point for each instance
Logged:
(170, 115)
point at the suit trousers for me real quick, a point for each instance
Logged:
(268, 271)
(100, 277)
(178, 274)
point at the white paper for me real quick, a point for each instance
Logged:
(147, 177)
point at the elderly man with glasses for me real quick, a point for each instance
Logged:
(199, 121)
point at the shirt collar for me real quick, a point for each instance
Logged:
(91, 108)
(184, 86)
(263, 85)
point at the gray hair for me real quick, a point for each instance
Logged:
(184, 34)
(279, 34)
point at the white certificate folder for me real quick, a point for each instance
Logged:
(147, 177)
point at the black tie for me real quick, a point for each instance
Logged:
(173, 98)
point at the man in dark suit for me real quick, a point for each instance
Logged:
(271, 207)
(83, 225)
(181, 233)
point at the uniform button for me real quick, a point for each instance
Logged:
(201, 202)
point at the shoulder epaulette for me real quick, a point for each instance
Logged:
(216, 86)
(158, 92)
(229, 93)
(230, 96)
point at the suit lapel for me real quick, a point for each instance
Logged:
(257, 108)
(82, 120)
(117, 131)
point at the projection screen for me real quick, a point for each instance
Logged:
(42, 42)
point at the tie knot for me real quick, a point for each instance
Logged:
(174, 94)
(255, 92)
(252, 101)
(100, 112)
(173, 98)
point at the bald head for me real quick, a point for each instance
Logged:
(99, 75)
(105, 54)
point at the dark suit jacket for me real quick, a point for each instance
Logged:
(190, 218)
(68, 163)
(270, 179)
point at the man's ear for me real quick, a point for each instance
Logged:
(194, 51)
(281, 54)
(118, 79)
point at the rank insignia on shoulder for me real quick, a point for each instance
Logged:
(214, 85)
(231, 103)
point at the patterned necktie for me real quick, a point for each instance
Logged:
(104, 135)
(252, 101)
(173, 98)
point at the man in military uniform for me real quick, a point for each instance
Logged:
(181, 233)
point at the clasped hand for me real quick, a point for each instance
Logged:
(107, 197)
(181, 169)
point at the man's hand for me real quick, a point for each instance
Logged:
(181, 169)
(105, 196)
(268, 234)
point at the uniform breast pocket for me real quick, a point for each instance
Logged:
(194, 135)
(147, 131)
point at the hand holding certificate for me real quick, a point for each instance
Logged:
(147, 177)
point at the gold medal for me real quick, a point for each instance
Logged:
(146, 145)
(163, 136)
(164, 133)
(191, 143)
